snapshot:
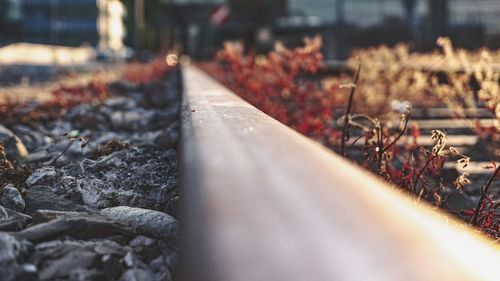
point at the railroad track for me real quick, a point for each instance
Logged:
(262, 202)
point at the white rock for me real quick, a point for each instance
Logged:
(14, 147)
(12, 198)
(151, 223)
(42, 174)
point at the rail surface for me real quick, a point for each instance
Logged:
(262, 202)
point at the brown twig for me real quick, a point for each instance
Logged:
(484, 193)
(399, 135)
(62, 153)
(380, 149)
(355, 141)
(348, 111)
(427, 163)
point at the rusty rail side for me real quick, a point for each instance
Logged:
(262, 202)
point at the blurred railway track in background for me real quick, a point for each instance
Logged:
(342, 66)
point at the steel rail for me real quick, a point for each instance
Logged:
(262, 202)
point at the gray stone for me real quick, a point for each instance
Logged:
(64, 150)
(28, 267)
(13, 252)
(12, 220)
(43, 246)
(29, 272)
(41, 216)
(63, 267)
(14, 147)
(161, 267)
(53, 249)
(80, 228)
(167, 137)
(133, 120)
(32, 138)
(145, 222)
(105, 137)
(87, 116)
(111, 266)
(163, 262)
(155, 96)
(12, 198)
(42, 155)
(136, 275)
(125, 119)
(69, 188)
(138, 177)
(13, 213)
(98, 194)
(58, 128)
(110, 247)
(130, 260)
(144, 139)
(142, 241)
(121, 103)
(163, 275)
(101, 259)
(13, 223)
(158, 263)
(83, 274)
(42, 198)
(3, 213)
(41, 176)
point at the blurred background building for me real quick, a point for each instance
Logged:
(201, 26)
(198, 27)
(470, 23)
(10, 21)
(98, 23)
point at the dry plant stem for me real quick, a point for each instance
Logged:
(484, 193)
(355, 141)
(62, 153)
(398, 136)
(415, 185)
(380, 149)
(347, 112)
